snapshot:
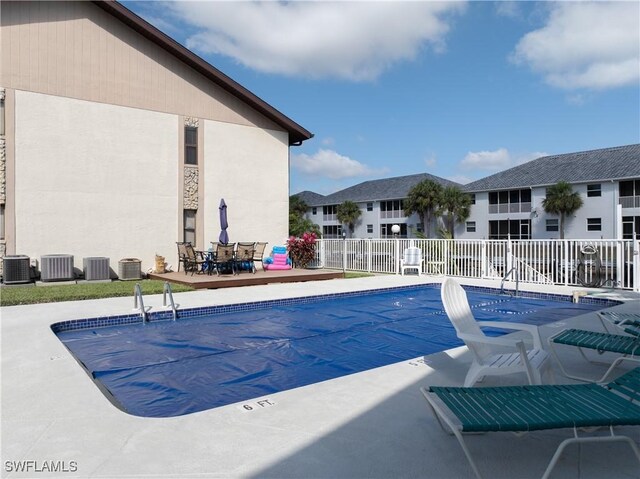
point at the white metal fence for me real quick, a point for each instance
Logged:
(609, 263)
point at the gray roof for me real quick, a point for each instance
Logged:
(596, 165)
(376, 190)
(309, 197)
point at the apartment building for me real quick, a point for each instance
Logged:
(508, 204)
(117, 141)
(381, 204)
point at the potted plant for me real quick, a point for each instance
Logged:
(302, 251)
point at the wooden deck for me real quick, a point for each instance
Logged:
(203, 281)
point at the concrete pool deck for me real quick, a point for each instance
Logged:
(373, 424)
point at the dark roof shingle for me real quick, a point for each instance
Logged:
(594, 165)
(383, 189)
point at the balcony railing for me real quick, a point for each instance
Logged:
(510, 208)
(560, 262)
(392, 214)
(630, 201)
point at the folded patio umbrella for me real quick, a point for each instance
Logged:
(224, 236)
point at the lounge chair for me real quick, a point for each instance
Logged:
(487, 361)
(244, 255)
(627, 322)
(628, 346)
(258, 254)
(412, 259)
(520, 409)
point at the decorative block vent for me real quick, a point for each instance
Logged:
(15, 269)
(129, 268)
(56, 267)
(96, 268)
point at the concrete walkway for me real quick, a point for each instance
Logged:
(373, 424)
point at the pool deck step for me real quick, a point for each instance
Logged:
(245, 278)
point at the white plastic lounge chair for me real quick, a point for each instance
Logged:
(520, 409)
(412, 260)
(487, 361)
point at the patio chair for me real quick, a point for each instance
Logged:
(628, 346)
(258, 254)
(520, 409)
(182, 253)
(244, 256)
(224, 258)
(627, 322)
(412, 259)
(194, 261)
(487, 360)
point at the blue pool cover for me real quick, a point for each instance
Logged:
(168, 368)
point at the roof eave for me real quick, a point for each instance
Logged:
(297, 134)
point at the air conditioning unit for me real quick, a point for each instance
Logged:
(129, 268)
(15, 269)
(56, 267)
(96, 268)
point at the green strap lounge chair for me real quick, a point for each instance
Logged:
(628, 346)
(521, 409)
(626, 322)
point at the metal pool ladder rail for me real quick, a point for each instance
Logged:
(515, 275)
(137, 297)
(167, 290)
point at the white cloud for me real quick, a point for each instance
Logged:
(508, 9)
(496, 160)
(351, 40)
(329, 164)
(593, 45)
(487, 160)
(329, 141)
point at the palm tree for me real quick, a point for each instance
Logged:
(561, 200)
(298, 224)
(297, 206)
(457, 206)
(348, 213)
(424, 199)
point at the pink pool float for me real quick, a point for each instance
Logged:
(279, 259)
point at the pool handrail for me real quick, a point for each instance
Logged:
(137, 296)
(167, 290)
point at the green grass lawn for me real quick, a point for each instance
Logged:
(355, 274)
(14, 295)
(10, 296)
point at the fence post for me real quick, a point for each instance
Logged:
(397, 255)
(445, 256)
(483, 259)
(565, 265)
(344, 254)
(369, 254)
(619, 263)
(636, 266)
(508, 258)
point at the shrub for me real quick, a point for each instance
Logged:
(302, 250)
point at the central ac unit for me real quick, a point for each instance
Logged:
(96, 268)
(129, 268)
(56, 267)
(15, 269)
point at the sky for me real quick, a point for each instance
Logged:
(459, 90)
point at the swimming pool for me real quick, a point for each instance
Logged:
(216, 356)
